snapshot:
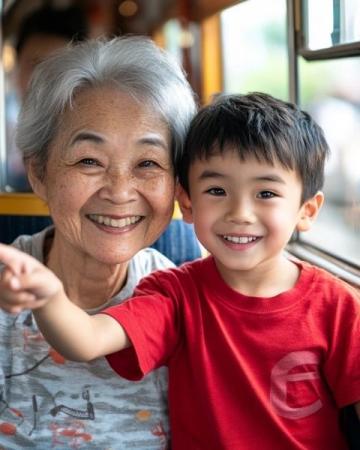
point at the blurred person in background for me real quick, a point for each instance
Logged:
(41, 32)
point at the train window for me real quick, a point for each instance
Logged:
(330, 91)
(254, 49)
(14, 180)
(331, 22)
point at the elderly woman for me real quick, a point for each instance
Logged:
(100, 130)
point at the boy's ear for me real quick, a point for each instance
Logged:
(309, 211)
(184, 202)
(38, 186)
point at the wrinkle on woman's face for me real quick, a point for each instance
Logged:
(109, 179)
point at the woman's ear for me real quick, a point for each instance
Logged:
(309, 211)
(184, 202)
(38, 185)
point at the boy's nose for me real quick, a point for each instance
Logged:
(240, 211)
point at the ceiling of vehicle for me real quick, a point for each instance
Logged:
(118, 16)
(111, 16)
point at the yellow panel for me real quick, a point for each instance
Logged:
(22, 204)
(159, 38)
(177, 213)
(212, 82)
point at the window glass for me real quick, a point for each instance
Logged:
(331, 22)
(330, 91)
(172, 35)
(255, 47)
(15, 172)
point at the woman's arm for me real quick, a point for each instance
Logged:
(26, 283)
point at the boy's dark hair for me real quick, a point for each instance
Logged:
(259, 125)
(69, 23)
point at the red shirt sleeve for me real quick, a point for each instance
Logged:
(342, 365)
(151, 322)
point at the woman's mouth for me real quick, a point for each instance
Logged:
(114, 223)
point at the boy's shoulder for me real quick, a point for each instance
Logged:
(185, 274)
(329, 285)
(186, 270)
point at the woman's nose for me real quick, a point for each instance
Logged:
(118, 187)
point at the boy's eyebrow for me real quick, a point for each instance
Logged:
(210, 174)
(266, 177)
(270, 177)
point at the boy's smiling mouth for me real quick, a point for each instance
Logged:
(240, 239)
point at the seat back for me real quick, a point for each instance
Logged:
(178, 242)
(13, 226)
(351, 426)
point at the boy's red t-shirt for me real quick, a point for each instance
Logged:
(246, 372)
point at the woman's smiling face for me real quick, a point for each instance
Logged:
(109, 179)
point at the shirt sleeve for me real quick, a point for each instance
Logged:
(150, 320)
(342, 368)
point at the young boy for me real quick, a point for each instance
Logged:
(262, 350)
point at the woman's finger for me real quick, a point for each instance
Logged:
(10, 301)
(16, 260)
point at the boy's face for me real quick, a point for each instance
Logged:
(245, 212)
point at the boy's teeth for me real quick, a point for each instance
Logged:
(116, 223)
(240, 239)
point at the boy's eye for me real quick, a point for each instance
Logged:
(266, 194)
(217, 191)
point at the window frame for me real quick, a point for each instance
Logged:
(2, 111)
(297, 247)
(332, 52)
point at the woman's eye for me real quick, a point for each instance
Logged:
(266, 194)
(89, 162)
(148, 163)
(216, 191)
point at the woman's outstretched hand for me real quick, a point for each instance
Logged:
(25, 283)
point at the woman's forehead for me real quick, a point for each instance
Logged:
(106, 108)
(110, 117)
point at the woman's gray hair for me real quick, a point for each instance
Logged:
(133, 64)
